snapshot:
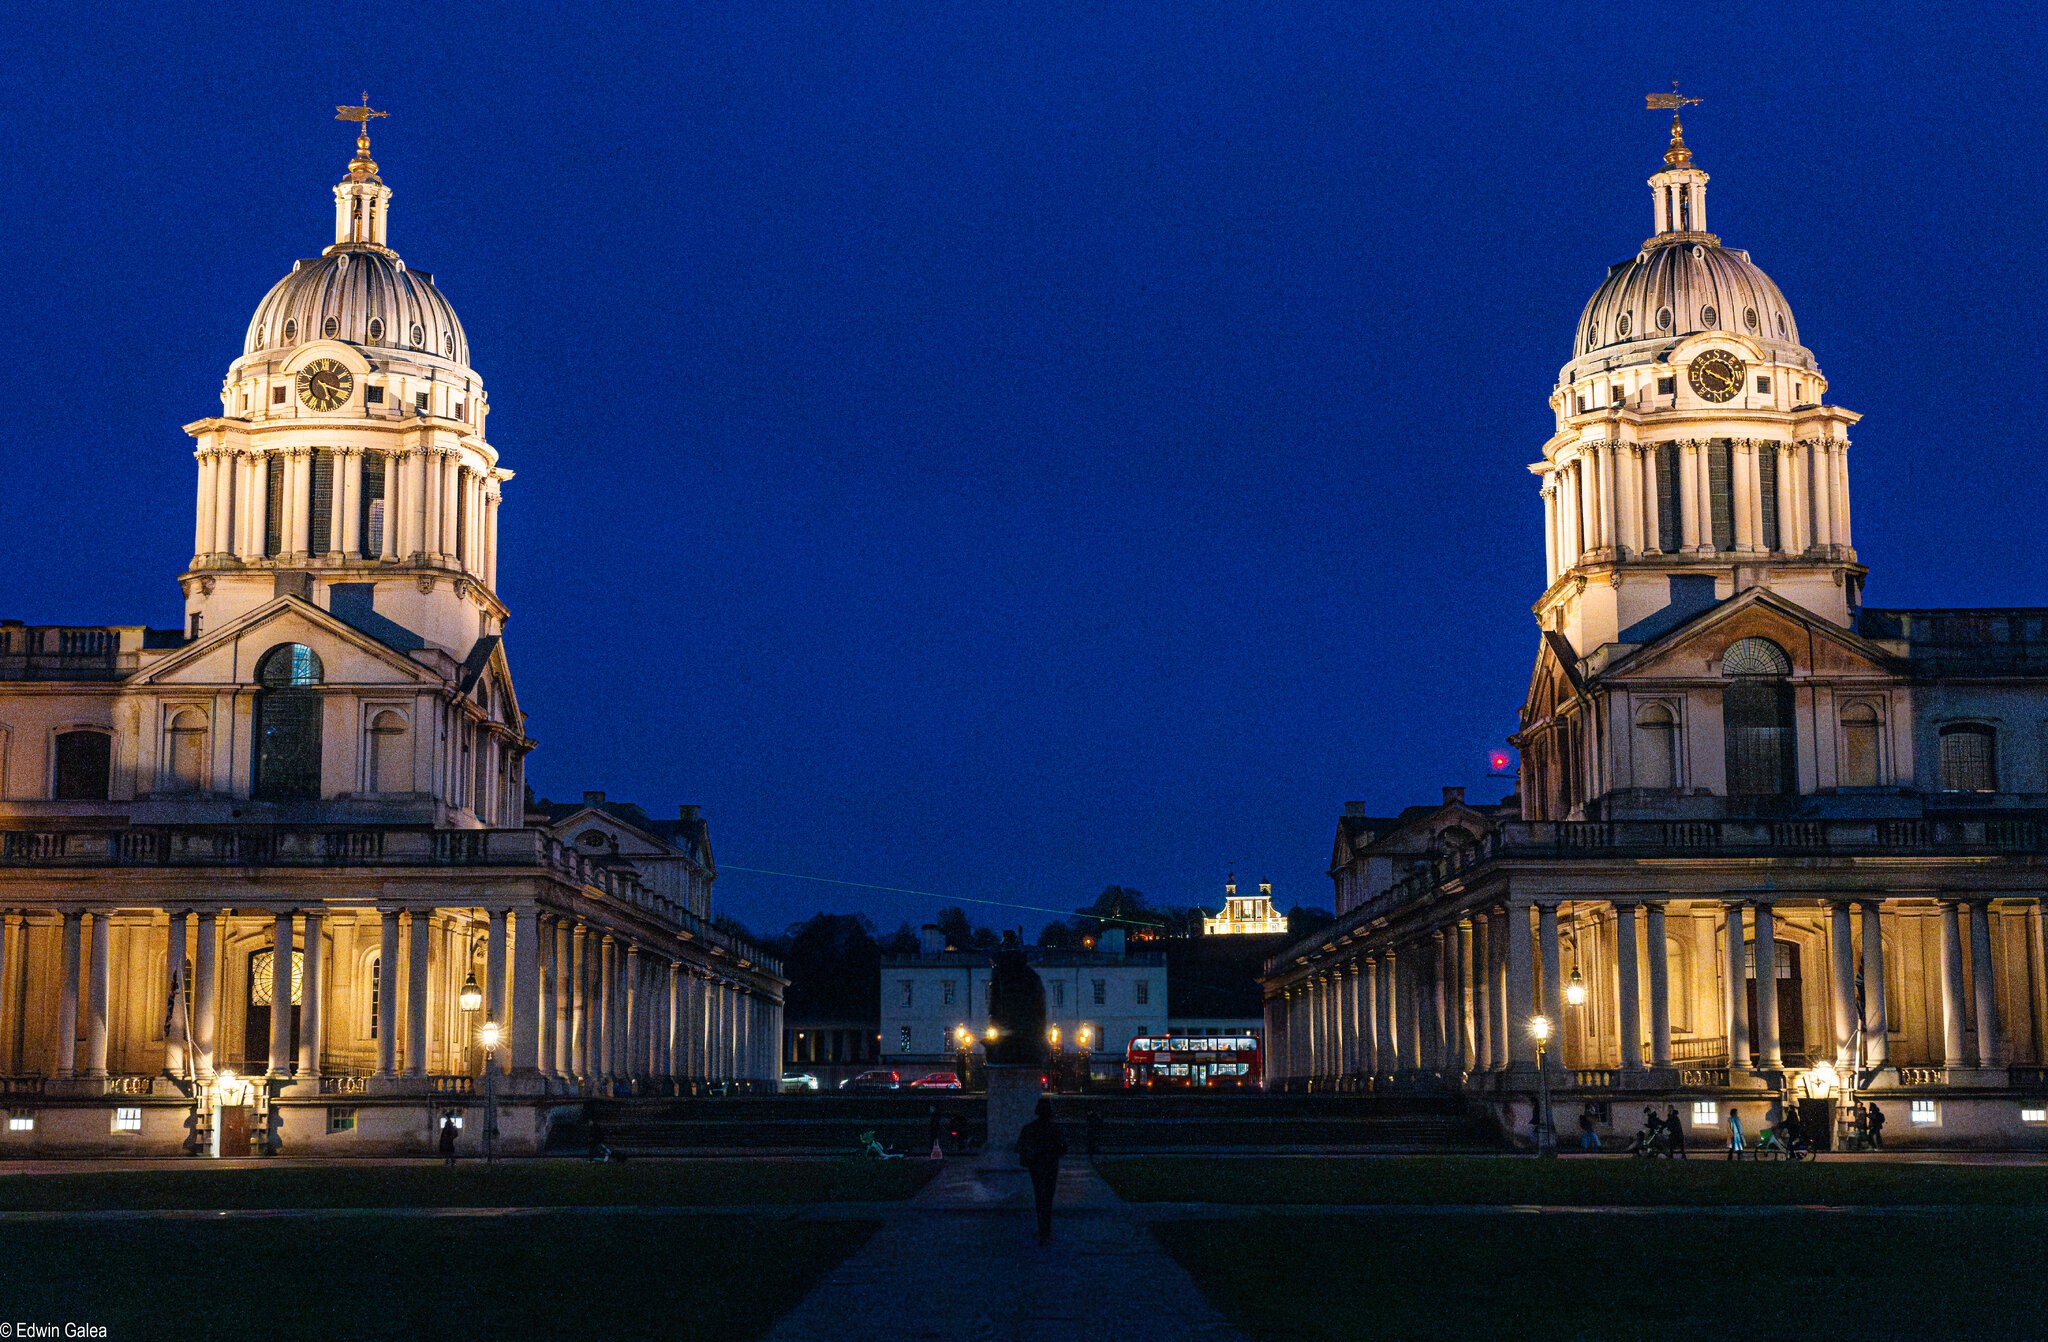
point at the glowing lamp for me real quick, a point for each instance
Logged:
(1498, 761)
(991, 1034)
(1052, 1036)
(1539, 1026)
(1575, 991)
(472, 997)
(490, 1034)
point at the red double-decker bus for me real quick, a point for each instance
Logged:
(1196, 1062)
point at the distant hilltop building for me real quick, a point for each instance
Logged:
(1245, 914)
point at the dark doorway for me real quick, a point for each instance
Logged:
(234, 1129)
(1791, 1003)
(1817, 1123)
(256, 1035)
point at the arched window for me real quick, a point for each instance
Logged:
(376, 968)
(288, 724)
(85, 766)
(1969, 758)
(185, 751)
(1860, 745)
(1656, 748)
(387, 752)
(1756, 712)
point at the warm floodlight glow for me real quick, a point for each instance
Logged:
(1575, 990)
(472, 996)
(1540, 1027)
(991, 1035)
(490, 1034)
(1052, 1036)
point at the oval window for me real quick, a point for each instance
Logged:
(291, 332)
(1749, 318)
(448, 343)
(329, 327)
(1709, 317)
(1781, 326)
(419, 336)
(376, 330)
(1623, 325)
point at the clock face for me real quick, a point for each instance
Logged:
(1717, 375)
(325, 384)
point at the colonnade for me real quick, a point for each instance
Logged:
(437, 507)
(581, 1006)
(1602, 501)
(1457, 1000)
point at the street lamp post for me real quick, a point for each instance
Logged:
(489, 1035)
(1546, 1135)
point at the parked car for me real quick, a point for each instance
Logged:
(937, 1081)
(797, 1083)
(878, 1080)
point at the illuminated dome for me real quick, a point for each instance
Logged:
(1682, 284)
(363, 295)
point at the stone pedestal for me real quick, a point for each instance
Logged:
(1013, 1093)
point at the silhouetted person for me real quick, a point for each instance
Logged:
(1039, 1148)
(448, 1138)
(1876, 1121)
(933, 1126)
(1674, 1133)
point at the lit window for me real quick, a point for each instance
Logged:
(20, 1120)
(1706, 1114)
(341, 1120)
(128, 1120)
(2036, 1114)
(1144, 992)
(1925, 1111)
(903, 1038)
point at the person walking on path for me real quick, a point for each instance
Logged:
(1735, 1143)
(448, 1139)
(1589, 1138)
(1876, 1121)
(1039, 1148)
(1674, 1133)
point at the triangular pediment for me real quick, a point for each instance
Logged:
(1553, 681)
(626, 840)
(228, 655)
(1816, 646)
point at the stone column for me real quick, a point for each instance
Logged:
(313, 986)
(1521, 988)
(1824, 516)
(347, 533)
(96, 998)
(544, 1027)
(1553, 979)
(1610, 531)
(673, 1034)
(1411, 1011)
(387, 993)
(1736, 999)
(1440, 1000)
(205, 992)
(1984, 987)
(1629, 1007)
(494, 972)
(523, 1048)
(1842, 976)
(1469, 1057)
(1768, 1044)
(579, 1003)
(175, 1061)
(608, 1007)
(564, 965)
(1499, 970)
(1369, 1016)
(299, 488)
(1876, 1020)
(281, 994)
(67, 998)
(394, 481)
(1646, 470)
(1703, 468)
(1393, 1057)
(1660, 986)
(1482, 992)
(636, 1015)
(416, 994)
(1686, 460)
(1953, 1008)
(1742, 492)
(1550, 534)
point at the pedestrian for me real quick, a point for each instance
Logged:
(1736, 1145)
(1039, 1148)
(1674, 1133)
(1589, 1140)
(1876, 1121)
(934, 1125)
(448, 1138)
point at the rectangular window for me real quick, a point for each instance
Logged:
(1614, 394)
(1706, 1114)
(1144, 992)
(1582, 405)
(420, 401)
(946, 991)
(461, 409)
(905, 985)
(376, 991)
(21, 1120)
(1926, 1111)
(1767, 482)
(1101, 992)
(323, 501)
(1059, 992)
(2033, 1114)
(1669, 524)
(371, 524)
(1763, 384)
(277, 395)
(1969, 760)
(341, 1120)
(373, 396)
(128, 1120)
(273, 504)
(1722, 508)
(1667, 386)
(193, 630)
(903, 1039)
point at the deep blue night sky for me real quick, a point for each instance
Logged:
(1005, 454)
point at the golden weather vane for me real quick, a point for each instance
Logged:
(1677, 156)
(362, 167)
(361, 115)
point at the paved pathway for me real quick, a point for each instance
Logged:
(959, 1263)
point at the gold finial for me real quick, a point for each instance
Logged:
(362, 168)
(1677, 156)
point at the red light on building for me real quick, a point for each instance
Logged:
(1498, 761)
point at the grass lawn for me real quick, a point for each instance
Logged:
(1297, 1278)
(1497, 1180)
(555, 1275)
(540, 1183)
